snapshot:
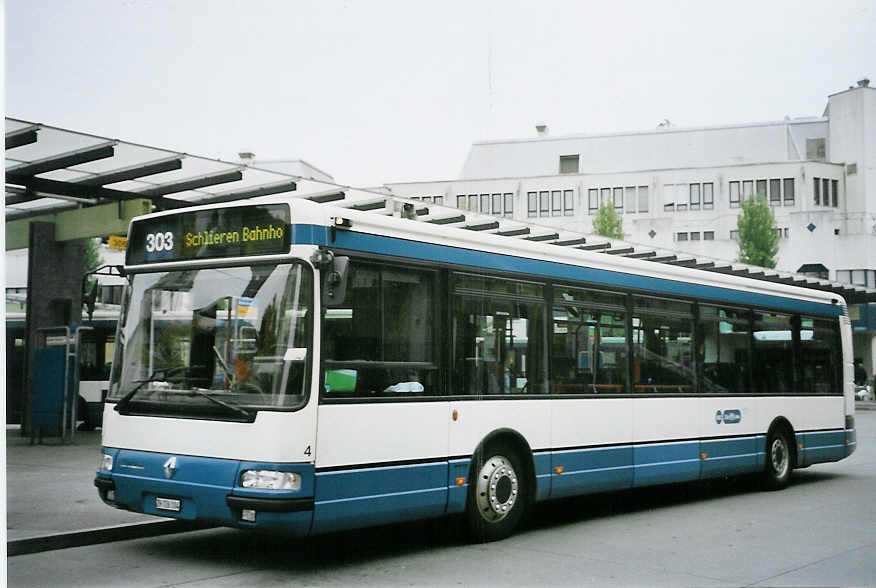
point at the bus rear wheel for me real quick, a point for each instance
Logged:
(497, 493)
(777, 470)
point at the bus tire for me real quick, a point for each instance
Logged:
(497, 493)
(777, 470)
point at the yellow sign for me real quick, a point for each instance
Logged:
(117, 242)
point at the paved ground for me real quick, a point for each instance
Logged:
(820, 531)
(50, 487)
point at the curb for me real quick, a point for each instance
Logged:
(99, 535)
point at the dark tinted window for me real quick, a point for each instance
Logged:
(724, 335)
(499, 339)
(820, 356)
(380, 342)
(662, 346)
(773, 366)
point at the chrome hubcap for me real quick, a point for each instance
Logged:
(779, 456)
(496, 489)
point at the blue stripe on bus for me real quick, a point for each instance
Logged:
(347, 499)
(665, 463)
(378, 244)
(592, 470)
(851, 441)
(731, 456)
(822, 446)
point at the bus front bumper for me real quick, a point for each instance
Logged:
(205, 489)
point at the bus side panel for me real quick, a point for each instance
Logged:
(818, 423)
(666, 432)
(379, 463)
(531, 419)
(591, 439)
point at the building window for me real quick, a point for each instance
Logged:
(509, 204)
(785, 231)
(708, 235)
(681, 236)
(682, 195)
(643, 198)
(815, 150)
(734, 235)
(604, 196)
(497, 204)
(592, 200)
(544, 203)
(747, 189)
(485, 204)
(788, 184)
(556, 203)
(568, 203)
(460, 202)
(775, 191)
(668, 197)
(708, 196)
(569, 164)
(825, 192)
(694, 196)
(734, 194)
(531, 204)
(858, 277)
(630, 198)
(761, 188)
(618, 198)
(695, 236)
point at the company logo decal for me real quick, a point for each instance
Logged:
(728, 417)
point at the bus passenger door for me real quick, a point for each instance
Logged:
(381, 452)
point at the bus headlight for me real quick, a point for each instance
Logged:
(270, 480)
(106, 463)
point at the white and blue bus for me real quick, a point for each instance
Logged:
(302, 368)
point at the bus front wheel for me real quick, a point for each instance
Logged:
(777, 471)
(497, 493)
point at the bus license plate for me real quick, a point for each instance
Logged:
(167, 504)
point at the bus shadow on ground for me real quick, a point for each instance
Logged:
(312, 554)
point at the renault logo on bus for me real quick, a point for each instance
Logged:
(170, 467)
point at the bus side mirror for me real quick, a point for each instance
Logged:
(334, 281)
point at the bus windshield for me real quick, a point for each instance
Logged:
(214, 343)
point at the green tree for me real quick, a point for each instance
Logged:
(758, 241)
(607, 223)
(91, 260)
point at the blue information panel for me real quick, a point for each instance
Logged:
(202, 234)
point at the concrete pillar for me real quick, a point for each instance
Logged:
(54, 295)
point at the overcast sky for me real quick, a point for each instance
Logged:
(376, 92)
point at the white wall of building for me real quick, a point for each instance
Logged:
(656, 149)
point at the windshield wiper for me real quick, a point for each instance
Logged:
(157, 375)
(233, 407)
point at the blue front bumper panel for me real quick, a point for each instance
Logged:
(207, 490)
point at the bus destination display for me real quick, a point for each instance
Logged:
(203, 234)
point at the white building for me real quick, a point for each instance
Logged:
(681, 188)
